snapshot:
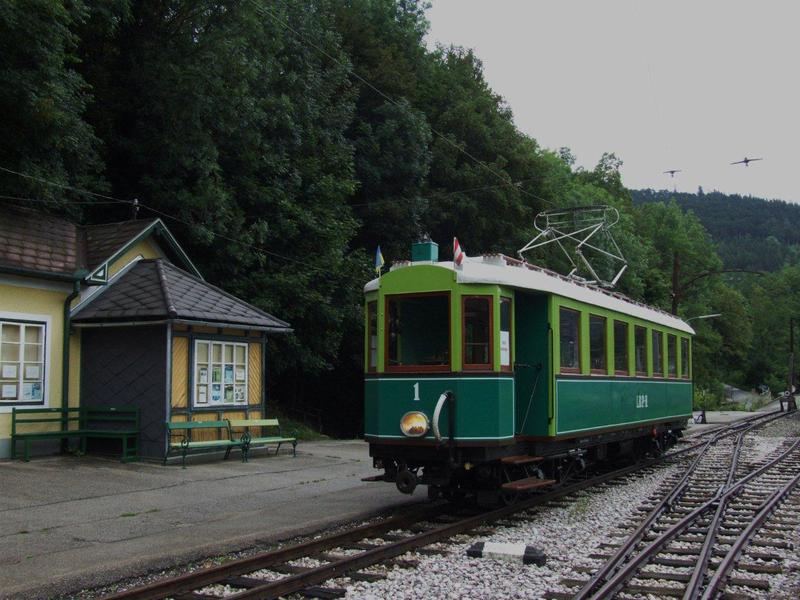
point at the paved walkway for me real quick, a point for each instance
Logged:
(68, 523)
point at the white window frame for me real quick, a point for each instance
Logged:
(44, 321)
(210, 364)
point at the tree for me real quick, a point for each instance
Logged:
(42, 103)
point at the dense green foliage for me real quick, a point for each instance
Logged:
(750, 233)
(283, 141)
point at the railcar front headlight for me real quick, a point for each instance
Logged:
(414, 424)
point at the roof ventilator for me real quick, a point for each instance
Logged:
(581, 228)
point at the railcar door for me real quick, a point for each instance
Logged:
(531, 364)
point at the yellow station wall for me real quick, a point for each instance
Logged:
(181, 395)
(41, 297)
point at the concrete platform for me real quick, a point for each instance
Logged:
(68, 523)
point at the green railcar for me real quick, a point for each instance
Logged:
(494, 370)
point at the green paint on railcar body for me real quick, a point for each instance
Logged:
(590, 404)
(484, 405)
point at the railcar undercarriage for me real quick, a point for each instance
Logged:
(455, 471)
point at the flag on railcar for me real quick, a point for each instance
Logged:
(379, 262)
(458, 253)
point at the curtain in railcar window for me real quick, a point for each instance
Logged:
(569, 321)
(640, 334)
(597, 343)
(621, 347)
(477, 331)
(685, 358)
(658, 360)
(672, 355)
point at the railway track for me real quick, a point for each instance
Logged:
(310, 569)
(714, 533)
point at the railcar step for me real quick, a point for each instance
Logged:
(530, 483)
(522, 459)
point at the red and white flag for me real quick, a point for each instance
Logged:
(458, 253)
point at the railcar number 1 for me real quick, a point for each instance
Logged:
(416, 392)
(641, 401)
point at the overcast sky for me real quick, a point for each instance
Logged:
(691, 85)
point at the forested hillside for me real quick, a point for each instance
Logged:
(750, 233)
(283, 141)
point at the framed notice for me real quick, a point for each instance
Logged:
(202, 394)
(9, 371)
(228, 373)
(202, 375)
(216, 375)
(216, 393)
(32, 372)
(239, 373)
(505, 348)
(8, 391)
(32, 391)
(229, 393)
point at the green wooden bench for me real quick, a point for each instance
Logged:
(186, 444)
(84, 422)
(263, 440)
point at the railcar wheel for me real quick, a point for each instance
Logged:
(509, 497)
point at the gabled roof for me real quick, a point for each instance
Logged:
(156, 290)
(35, 243)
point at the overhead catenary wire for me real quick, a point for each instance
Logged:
(161, 213)
(269, 13)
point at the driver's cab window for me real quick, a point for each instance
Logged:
(418, 332)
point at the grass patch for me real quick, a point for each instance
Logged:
(295, 428)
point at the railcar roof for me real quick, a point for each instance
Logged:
(503, 270)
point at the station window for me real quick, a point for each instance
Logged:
(640, 349)
(505, 334)
(418, 332)
(22, 363)
(569, 338)
(620, 348)
(372, 336)
(220, 373)
(597, 344)
(658, 357)
(477, 332)
(685, 358)
(672, 355)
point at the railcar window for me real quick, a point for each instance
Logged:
(418, 332)
(685, 358)
(372, 335)
(597, 343)
(672, 356)
(640, 343)
(621, 347)
(658, 360)
(505, 333)
(569, 326)
(477, 332)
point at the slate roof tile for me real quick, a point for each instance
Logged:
(155, 289)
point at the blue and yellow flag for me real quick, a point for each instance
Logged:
(378, 261)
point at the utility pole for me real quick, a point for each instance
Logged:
(790, 401)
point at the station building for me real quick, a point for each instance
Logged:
(118, 315)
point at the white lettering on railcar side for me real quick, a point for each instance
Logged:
(416, 392)
(641, 401)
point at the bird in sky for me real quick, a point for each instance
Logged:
(673, 171)
(746, 162)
